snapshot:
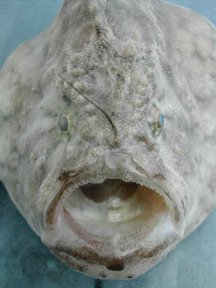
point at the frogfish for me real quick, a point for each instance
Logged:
(108, 132)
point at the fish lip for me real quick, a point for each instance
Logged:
(79, 259)
(74, 179)
(69, 179)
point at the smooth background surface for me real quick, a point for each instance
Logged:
(24, 261)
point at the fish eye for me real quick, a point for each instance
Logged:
(155, 119)
(63, 123)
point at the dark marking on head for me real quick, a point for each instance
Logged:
(101, 34)
(130, 276)
(66, 174)
(67, 99)
(98, 283)
(99, 31)
(115, 265)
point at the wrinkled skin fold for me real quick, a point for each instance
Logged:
(108, 132)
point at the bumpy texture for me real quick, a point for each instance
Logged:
(81, 116)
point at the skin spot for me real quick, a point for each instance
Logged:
(67, 99)
(115, 265)
(103, 275)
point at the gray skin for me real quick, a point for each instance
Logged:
(77, 104)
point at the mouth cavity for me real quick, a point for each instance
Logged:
(115, 202)
(116, 214)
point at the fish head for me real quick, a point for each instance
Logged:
(111, 204)
(107, 165)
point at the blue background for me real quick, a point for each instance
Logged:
(24, 261)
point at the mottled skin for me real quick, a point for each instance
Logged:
(101, 65)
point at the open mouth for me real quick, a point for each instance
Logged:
(115, 206)
(117, 214)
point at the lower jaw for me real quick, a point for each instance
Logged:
(142, 237)
(90, 263)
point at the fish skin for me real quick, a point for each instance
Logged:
(102, 63)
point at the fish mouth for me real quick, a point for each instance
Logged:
(115, 209)
(109, 219)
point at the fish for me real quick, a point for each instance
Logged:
(108, 132)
